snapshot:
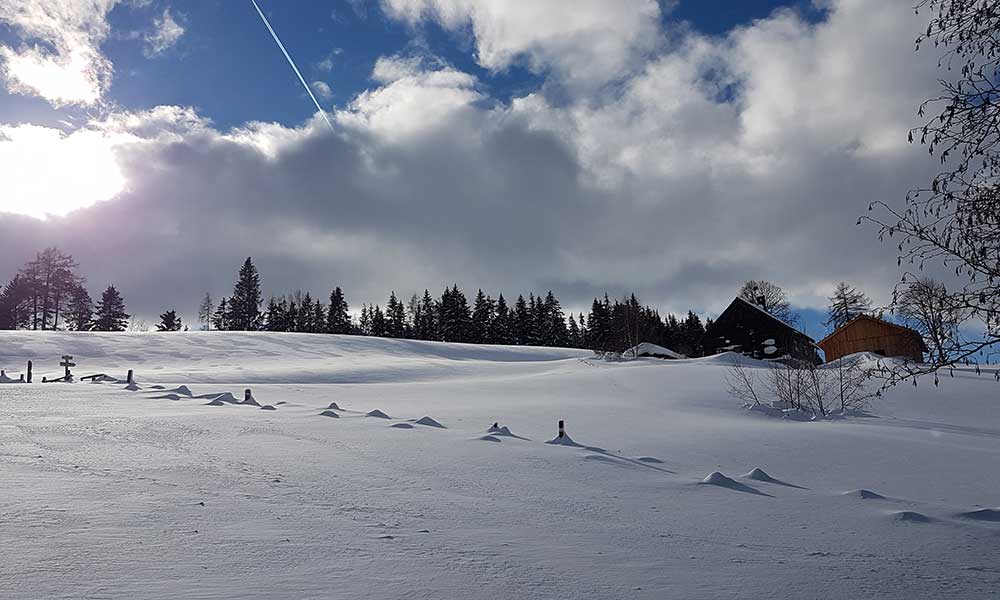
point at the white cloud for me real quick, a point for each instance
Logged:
(165, 34)
(60, 59)
(48, 173)
(746, 155)
(583, 41)
(322, 90)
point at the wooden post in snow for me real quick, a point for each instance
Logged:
(29, 371)
(128, 378)
(562, 429)
(246, 396)
(67, 363)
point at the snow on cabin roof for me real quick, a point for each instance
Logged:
(653, 350)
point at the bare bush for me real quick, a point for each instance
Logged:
(803, 387)
(742, 383)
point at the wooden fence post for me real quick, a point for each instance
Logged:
(562, 429)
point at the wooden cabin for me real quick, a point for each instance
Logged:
(870, 334)
(747, 329)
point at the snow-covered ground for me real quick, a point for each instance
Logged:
(110, 493)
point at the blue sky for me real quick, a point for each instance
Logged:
(227, 67)
(673, 148)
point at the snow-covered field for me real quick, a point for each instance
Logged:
(110, 493)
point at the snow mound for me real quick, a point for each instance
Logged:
(983, 514)
(402, 426)
(909, 516)
(133, 387)
(758, 474)
(223, 397)
(329, 413)
(654, 350)
(333, 406)
(268, 407)
(865, 494)
(378, 414)
(489, 438)
(565, 440)
(649, 459)
(156, 387)
(215, 402)
(429, 422)
(249, 399)
(5, 379)
(166, 397)
(718, 479)
(181, 390)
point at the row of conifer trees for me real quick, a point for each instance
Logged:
(611, 325)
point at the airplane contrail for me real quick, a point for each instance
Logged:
(292, 63)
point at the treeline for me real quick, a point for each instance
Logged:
(47, 293)
(611, 325)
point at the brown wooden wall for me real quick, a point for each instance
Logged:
(863, 335)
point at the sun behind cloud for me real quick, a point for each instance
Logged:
(49, 173)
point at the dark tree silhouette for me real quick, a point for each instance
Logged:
(169, 321)
(845, 304)
(111, 315)
(955, 220)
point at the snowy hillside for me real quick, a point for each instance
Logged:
(181, 492)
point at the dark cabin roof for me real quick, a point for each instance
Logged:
(899, 328)
(742, 302)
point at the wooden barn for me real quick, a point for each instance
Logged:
(746, 328)
(869, 334)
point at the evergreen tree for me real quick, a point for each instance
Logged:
(338, 319)
(169, 321)
(111, 315)
(522, 321)
(482, 317)
(244, 306)
(205, 312)
(15, 304)
(319, 317)
(379, 325)
(845, 304)
(304, 315)
(220, 320)
(574, 333)
(425, 321)
(501, 326)
(691, 332)
(454, 320)
(395, 317)
(553, 322)
(80, 312)
(365, 321)
(291, 322)
(599, 325)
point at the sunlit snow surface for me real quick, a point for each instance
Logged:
(171, 492)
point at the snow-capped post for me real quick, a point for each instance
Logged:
(562, 429)
(128, 378)
(29, 371)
